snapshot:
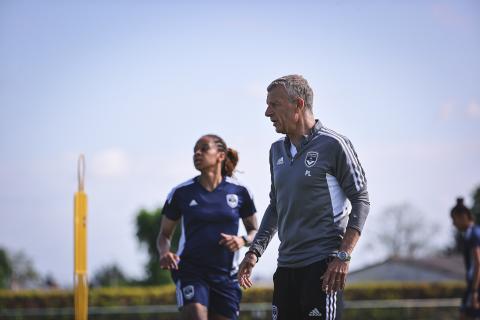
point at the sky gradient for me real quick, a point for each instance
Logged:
(133, 85)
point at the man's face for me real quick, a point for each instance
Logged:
(281, 111)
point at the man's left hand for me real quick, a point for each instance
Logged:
(335, 276)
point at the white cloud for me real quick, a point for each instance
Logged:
(110, 163)
(446, 111)
(473, 110)
(449, 110)
(450, 16)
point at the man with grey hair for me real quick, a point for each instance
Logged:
(318, 204)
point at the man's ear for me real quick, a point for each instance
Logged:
(300, 104)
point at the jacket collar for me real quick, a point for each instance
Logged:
(306, 138)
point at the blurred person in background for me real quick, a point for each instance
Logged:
(462, 219)
(318, 203)
(209, 207)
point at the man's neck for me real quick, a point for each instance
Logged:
(303, 128)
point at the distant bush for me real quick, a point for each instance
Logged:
(131, 296)
(128, 296)
(403, 290)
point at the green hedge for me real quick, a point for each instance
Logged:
(404, 290)
(130, 296)
(127, 296)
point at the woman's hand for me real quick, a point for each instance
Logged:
(169, 260)
(233, 243)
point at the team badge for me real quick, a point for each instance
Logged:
(311, 158)
(188, 292)
(232, 200)
(274, 312)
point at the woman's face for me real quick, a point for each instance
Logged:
(206, 154)
(461, 222)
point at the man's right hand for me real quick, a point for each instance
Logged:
(169, 260)
(245, 270)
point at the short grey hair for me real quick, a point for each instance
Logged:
(296, 87)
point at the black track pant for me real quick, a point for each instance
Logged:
(298, 295)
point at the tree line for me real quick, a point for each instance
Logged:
(407, 234)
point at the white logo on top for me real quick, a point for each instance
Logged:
(193, 203)
(280, 161)
(232, 200)
(311, 158)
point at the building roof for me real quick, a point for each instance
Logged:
(429, 269)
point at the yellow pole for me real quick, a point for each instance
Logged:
(80, 243)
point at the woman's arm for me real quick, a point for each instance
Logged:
(476, 278)
(233, 242)
(168, 260)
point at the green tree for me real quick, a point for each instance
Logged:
(148, 226)
(476, 204)
(5, 269)
(17, 270)
(24, 274)
(457, 246)
(407, 234)
(110, 276)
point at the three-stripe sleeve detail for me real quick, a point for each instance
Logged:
(355, 168)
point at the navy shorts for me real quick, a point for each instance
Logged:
(221, 294)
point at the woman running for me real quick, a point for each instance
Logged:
(209, 208)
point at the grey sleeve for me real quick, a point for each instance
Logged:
(268, 226)
(351, 177)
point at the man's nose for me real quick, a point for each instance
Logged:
(268, 111)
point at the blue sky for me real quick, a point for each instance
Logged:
(133, 84)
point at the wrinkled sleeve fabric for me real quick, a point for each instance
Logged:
(351, 177)
(268, 226)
